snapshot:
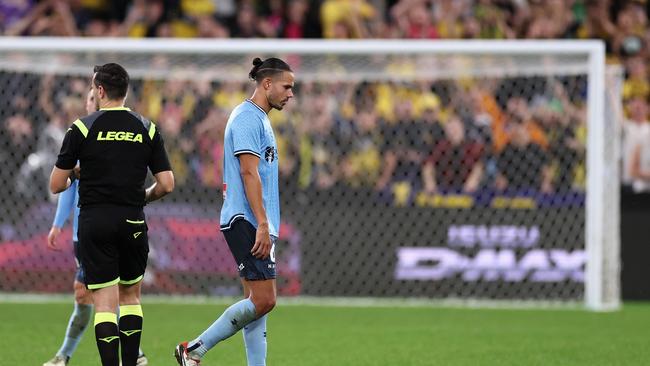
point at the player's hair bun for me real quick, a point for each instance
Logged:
(265, 68)
(257, 62)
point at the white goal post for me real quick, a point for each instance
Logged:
(363, 60)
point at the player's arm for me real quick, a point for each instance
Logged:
(64, 207)
(247, 135)
(253, 186)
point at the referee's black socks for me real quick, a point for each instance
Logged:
(130, 332)
(108, 338)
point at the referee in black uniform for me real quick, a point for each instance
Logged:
(114, 146)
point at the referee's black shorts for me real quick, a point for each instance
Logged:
(114, 245)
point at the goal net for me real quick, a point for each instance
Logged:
(435, 170)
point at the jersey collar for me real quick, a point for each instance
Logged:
(258, 107)
(115, 109)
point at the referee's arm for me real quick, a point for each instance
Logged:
(161, 170)
(62, 173)
(163, 185)
(60, 180)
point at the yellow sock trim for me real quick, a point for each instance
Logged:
(130, 310)
(105, 318)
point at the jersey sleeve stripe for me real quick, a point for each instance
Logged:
(239, 152)
(152, 130)
(80, 125)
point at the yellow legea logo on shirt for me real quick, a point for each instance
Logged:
(119, 136)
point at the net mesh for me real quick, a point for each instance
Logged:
(436, 176)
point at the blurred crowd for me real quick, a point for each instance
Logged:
(516, 135)
(621, 23)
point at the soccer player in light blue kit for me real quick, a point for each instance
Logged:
(250, 216)
(83, 307)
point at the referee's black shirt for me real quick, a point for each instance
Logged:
(114, 147)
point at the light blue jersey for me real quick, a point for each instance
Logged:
(68, 200)
(249, 132)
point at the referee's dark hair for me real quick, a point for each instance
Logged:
(113, 78)
(267, 68)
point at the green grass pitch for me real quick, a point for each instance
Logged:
(357, 336)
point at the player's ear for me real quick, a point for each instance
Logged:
(267, 83)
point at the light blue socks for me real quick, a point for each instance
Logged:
(255, 341)
(230, 322)
(76, 327)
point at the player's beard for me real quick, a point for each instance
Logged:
(277, 106)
